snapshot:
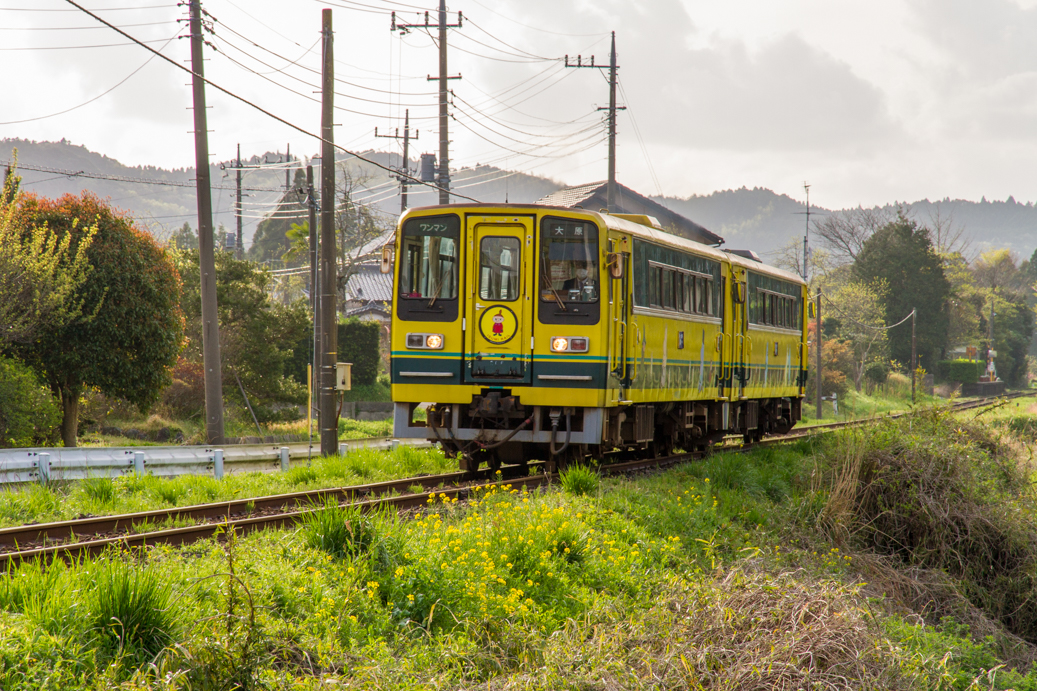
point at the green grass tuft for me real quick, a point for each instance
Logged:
(578, 480)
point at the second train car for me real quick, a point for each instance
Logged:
(534, 332)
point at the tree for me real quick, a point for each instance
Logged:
(845, 232)
(861, 325)
(185, 238)
(130, 330)
(256, 335)
(270, 239)
(39, 272)
(901, 255)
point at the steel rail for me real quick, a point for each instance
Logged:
(237, 514)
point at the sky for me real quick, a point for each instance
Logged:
(870, 103)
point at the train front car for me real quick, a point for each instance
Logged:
(498, 324)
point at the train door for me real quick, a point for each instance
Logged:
(740, 329)
(498, 308)
(619, 304)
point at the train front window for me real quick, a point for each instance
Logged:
(569, 269)
(429, 259)
(499, 268)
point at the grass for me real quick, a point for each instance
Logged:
(770, 569)
(131, 493)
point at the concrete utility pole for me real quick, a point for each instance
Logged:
(206, 258)
(612, 109)
(405, 168)
(806, 234)
(329, 332)
(311, 205)
(817, 348)
(914, 354)
(443, 179)
(237, 208)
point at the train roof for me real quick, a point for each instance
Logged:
(634, 224)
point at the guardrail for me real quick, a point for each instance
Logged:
(19, 466)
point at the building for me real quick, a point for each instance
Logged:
(593, 197)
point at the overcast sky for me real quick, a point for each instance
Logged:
(869, 102)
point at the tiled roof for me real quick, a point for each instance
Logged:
(369, 283)
(572, 196)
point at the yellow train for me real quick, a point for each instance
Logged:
(555, 333)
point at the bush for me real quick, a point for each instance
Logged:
(339, 531)
(29, 414)
(359, 342)
(963, 371)
(876, 372)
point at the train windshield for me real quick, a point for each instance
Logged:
(569, 262)
(429, 258)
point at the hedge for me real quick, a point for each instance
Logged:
(359, 342)
(963, 371)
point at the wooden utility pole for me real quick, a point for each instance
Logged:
(613, 68)
(237, 210)
(817, 346)
(806, 234)
(443, 179)
(405, 168)
(328, 272)
(206, 258)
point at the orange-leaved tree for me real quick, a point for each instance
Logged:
(130, 330)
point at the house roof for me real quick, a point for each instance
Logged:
(369, 284)
(593, 196)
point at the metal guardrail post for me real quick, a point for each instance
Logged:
(43, 467)
(394, 444)
(138, 462)
(217, 463)
(284, 459)
(343, 449)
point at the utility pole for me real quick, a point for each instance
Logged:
(817, 348)
(288, 170)
(206, 258)
(311, 204)
(806, 235)
(328, 272)
(914, 354)
(237, 209)
(610, 194)
(405, 168)
(444, 116)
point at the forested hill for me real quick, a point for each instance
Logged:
(756, 218)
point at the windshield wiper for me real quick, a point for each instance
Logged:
(547, 281)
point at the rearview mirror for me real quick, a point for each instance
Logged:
(387, 259)
(615, 264)
(811, 310)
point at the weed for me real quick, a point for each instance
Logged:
(130, 609)
(99, 489)
(337, 530)
(301, 475)
(579, 480)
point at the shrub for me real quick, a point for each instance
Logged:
(29, 414)
(962, 371)
(359, 342)
(578, 480)
(185, 397)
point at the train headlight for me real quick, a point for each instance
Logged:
(567, 344)
(425, 341)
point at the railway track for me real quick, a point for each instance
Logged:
(93, 535)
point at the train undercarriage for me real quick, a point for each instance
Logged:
(497, 428)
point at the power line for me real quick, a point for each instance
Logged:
(103, 45)
(124, 178)
(250, 103)
(85, 103)
(74, 28)
(99, 9)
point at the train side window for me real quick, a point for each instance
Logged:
(667, 289)
(701, 292)
(688, 303)
(654, 299)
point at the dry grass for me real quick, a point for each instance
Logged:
(745, 631)
(947, 512)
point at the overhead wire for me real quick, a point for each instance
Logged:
(86, 103)
(640, 139)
